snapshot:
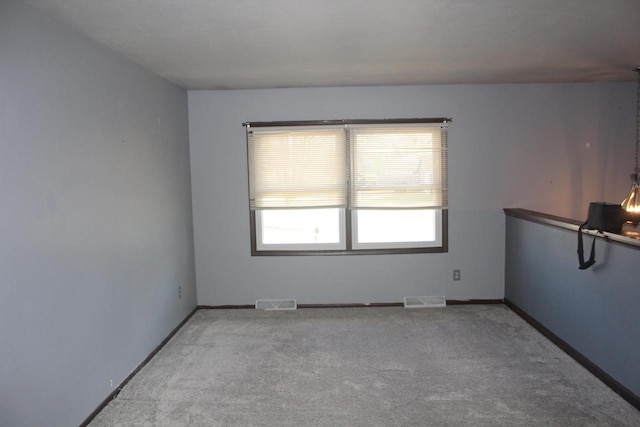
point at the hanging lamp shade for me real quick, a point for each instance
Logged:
(632, 203)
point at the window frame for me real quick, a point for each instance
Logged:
(442, 220)
(443, 248)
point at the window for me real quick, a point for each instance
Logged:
(348, 187)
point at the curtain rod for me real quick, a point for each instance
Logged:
(347, 122)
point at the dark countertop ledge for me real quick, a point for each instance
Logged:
(570, 224)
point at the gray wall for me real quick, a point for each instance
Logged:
(551, 148)
(595, 310)
(95, 219)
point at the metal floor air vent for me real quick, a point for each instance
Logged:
(276, 304)
(425, 302)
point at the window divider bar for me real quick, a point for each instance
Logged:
(347, 210)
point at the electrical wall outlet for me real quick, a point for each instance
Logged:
(456, 275)
(179, 291)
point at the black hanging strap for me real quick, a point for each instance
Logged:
(592, 258)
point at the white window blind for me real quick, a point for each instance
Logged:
(360, 166)
(398, 166)
(300, 167)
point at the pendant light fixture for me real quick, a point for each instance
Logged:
(632, 203)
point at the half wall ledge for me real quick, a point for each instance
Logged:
(570, 224)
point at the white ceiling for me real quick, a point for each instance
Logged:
(233, 44)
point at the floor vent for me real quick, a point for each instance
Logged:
(276, 304)
(424, 302)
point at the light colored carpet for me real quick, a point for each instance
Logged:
(474, 365)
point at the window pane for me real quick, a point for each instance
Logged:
(398, 167)
(387, 226)
(297, 168)
(300, 226)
